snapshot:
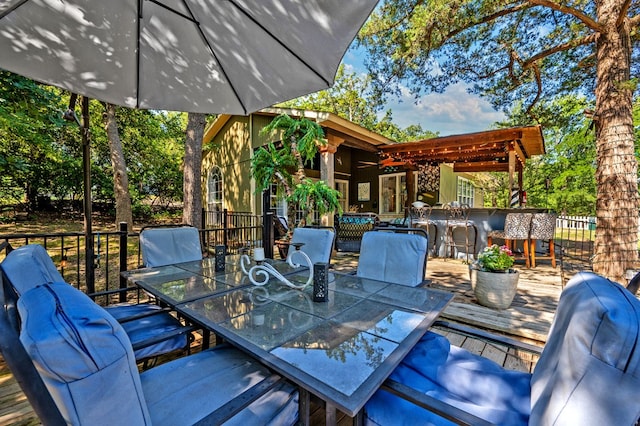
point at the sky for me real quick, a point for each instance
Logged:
(450, 113)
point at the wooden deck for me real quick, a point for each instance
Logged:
(529, 319)
(529, 316)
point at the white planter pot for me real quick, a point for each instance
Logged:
(494, 289)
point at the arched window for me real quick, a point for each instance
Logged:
(215, 195)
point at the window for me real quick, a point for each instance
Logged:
(215, 190)
(215, 196)
(343, 187)
(393, 193)
(465, 190)
(278, 203)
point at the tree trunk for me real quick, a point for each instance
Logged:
(192, 210)
(616, 171)
(118, 163)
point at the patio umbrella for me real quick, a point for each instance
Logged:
(210, 56)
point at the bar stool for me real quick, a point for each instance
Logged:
(457, 216)
(420, 217)
(543, 227)
(516, 227)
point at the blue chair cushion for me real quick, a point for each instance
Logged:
(318, 244)
(165, 246)
(394, 257)
(589, 370)
(151, 326)
(83, 356)
(29, 266)
(458, 377)
(180, 392)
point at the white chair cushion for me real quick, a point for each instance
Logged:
(394, 257)
(165, 246)
(318, 243)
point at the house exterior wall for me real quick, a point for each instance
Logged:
(231, 151)
(232, 147)
(448, 186)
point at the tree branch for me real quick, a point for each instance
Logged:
(559, 48)
(397, 22)
(538, 77)
(569, 11)
(623, 13)
(488, 18)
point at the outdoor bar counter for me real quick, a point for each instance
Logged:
(485, 218)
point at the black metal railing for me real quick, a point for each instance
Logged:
(574, 239)
(118, 251)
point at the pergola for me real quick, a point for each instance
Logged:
(502, 150)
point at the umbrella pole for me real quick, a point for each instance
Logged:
(88, 232)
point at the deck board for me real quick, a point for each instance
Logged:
(528, 319)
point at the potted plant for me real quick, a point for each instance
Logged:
(493, 280)
(284, 164)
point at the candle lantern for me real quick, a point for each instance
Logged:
(220, 253)
(320, 282)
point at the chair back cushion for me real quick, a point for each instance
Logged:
(29, 266)
(318, 244)
(83, 356)
(589, 370)
(167, 245)
(395, 257)
(455, 376)
(543, 226)
(517, 225)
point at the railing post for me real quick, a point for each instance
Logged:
(225, 226)
(124, 236)
(268, 239)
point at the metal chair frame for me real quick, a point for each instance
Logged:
(457, 216)
(420, 217)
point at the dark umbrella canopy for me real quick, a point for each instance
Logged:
(211, 56)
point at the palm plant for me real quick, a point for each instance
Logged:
(285, 165)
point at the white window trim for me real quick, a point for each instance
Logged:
(465, 185)
(209, 201)
(399, 208)
(346, 194)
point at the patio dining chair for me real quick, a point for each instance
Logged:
(396, 255)
(152, 330)
(517, 227)
(168, 244)
(543, 229)
(457, 221)
(587, 373)
(420, 217)
(76, 366)
(317, 243)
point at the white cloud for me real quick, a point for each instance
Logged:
(453, 112)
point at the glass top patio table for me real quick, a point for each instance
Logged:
(341, 350)
(183, 282)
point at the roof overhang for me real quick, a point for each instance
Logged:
(352, 134)
(472, 152)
